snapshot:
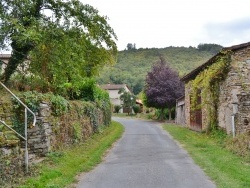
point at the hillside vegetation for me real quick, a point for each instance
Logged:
(133, 64)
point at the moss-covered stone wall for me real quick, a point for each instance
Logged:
(52, 131)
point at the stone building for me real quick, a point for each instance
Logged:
(232, 105)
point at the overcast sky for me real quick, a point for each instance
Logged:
(163, 23)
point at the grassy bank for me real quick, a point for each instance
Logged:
(60, 168)
(222, 166)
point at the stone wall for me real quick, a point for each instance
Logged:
(242, 117)
(53, 132)
(7, 138)
(50, 133)
(236, 84)
(187, 104)
(11, 156)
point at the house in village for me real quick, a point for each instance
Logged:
(218, 92)
(114, 95)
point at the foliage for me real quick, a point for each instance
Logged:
(163, 86)
(103, 102)
(91, 111)
(77, 132)
(221, 165)
(117, 108)
(84, 90)
(132, 65)
(59, 104)
(131, 46)
(158, 114)
(136, 108)
(98, 99)
(33, 99)
(87, 90)
(212, 48)
(128, 99)
(67, 41)
(207, 85)
(79, 61)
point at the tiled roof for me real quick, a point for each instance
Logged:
(191, 75)
(138, 101)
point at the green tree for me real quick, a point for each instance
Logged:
(212, 48)
(117, 108)
(66, 26)
(133, 65)
(131, 46)
(128, 99)
(136, 108)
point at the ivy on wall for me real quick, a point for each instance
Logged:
(207, 86)
(33, 99)
(60, 106)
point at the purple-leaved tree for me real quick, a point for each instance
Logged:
(162, 87)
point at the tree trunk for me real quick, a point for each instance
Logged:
(161, 114)
(169, 114)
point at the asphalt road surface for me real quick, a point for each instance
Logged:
(145, 157)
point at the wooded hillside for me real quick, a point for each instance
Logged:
(133, 64)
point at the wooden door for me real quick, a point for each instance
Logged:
(196, 117)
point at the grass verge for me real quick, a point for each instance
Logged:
(60, 168)
(221, 165)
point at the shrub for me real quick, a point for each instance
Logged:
(136, 109)
(117, 108)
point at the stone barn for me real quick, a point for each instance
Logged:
(217, 93)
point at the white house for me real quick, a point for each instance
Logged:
(113, 90)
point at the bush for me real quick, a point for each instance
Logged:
(117, 108)
(165, 113)
(136, 109)
(82, 90)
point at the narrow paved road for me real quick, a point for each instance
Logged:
(145, 157)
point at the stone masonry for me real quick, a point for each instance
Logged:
(50, 133)
(234, 91)
(233, 111)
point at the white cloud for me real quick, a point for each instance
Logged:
(162, 23)
(228, 33)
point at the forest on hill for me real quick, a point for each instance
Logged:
(133, 64)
